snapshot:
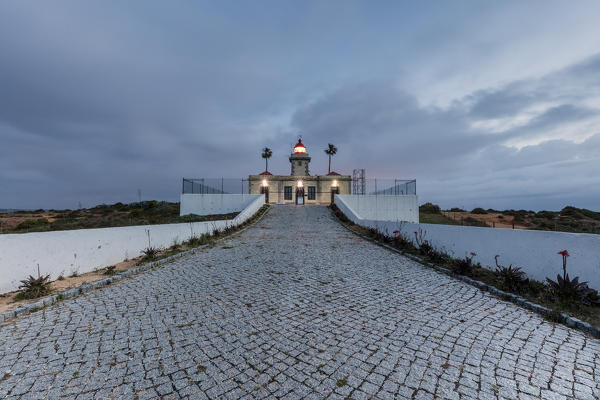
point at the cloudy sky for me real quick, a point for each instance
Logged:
(492, 104)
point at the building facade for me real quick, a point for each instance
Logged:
(299, 187)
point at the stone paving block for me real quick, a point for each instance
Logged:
(293, 307)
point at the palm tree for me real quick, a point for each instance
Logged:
(330, 151)
(266, 154)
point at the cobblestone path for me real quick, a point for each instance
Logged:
(294, 307)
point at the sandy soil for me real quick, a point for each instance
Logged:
(497, 220)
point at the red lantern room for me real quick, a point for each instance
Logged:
(299, 147)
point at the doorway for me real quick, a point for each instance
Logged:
(334, 191)
(300, 196)
(265, 190)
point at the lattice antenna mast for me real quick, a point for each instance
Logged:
(358, 181)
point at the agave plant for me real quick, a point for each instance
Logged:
(150, 253)
(463, 266)
(572, 290)
(35, 287)
(567, 289)
(511, 278)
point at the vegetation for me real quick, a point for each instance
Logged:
(571, 290)
(431, 214)
(102, 216)
(266, 154)
(331, 150)
(32, 288)
(569, 219)
(463, 266)
(562, 295)
(511, 279)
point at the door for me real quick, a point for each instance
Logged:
(334, 191)
(300, 196)
(265, 190)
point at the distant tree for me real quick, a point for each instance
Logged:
(266, 154)
(330, 151)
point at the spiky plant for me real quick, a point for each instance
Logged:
(571, 290)
(150, 253)
(511, 278)
(567, 289)
(33, 288)
(463, 266)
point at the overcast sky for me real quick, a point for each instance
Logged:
(491, 104)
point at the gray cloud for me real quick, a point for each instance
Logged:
(98, 100)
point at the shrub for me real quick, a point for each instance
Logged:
(463, 266)
(479, 210)
(512, 279)
(456, 209)
(33, 223)
(430, 208)
(34, 287)
(474, 222)
(110, 270)
(401, 241)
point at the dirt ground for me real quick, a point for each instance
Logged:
(11, 220)
(7, 301)
(497, 220)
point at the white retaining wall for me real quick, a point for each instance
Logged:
(383, 207)
(209, 204)
(533, 251)
(83, 250)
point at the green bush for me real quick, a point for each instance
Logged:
(33, 223)
(479, 210)
(430, 208)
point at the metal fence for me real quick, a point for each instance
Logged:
(389, 187)
(362, 186)
(215, 186)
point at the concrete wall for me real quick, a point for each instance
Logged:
(209, 204)
(382, 207)
(83, 250)
(533, 251)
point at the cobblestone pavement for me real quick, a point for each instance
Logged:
(294, 307)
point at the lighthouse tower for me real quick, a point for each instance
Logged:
(299, 160)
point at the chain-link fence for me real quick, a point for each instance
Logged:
(215, 186)
(366, 186)
(389, 187)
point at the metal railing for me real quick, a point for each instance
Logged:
(214, 186)
(367, 186)
(388, 187)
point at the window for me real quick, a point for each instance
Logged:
(287, 193)
(311, 192)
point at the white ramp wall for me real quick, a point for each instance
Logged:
(209, 204)
(383, 207)
(83, 250)
(533, 251)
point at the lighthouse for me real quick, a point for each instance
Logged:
(299, 160)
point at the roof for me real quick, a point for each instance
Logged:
(333, 173)
(265, 173)
(299, 145)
